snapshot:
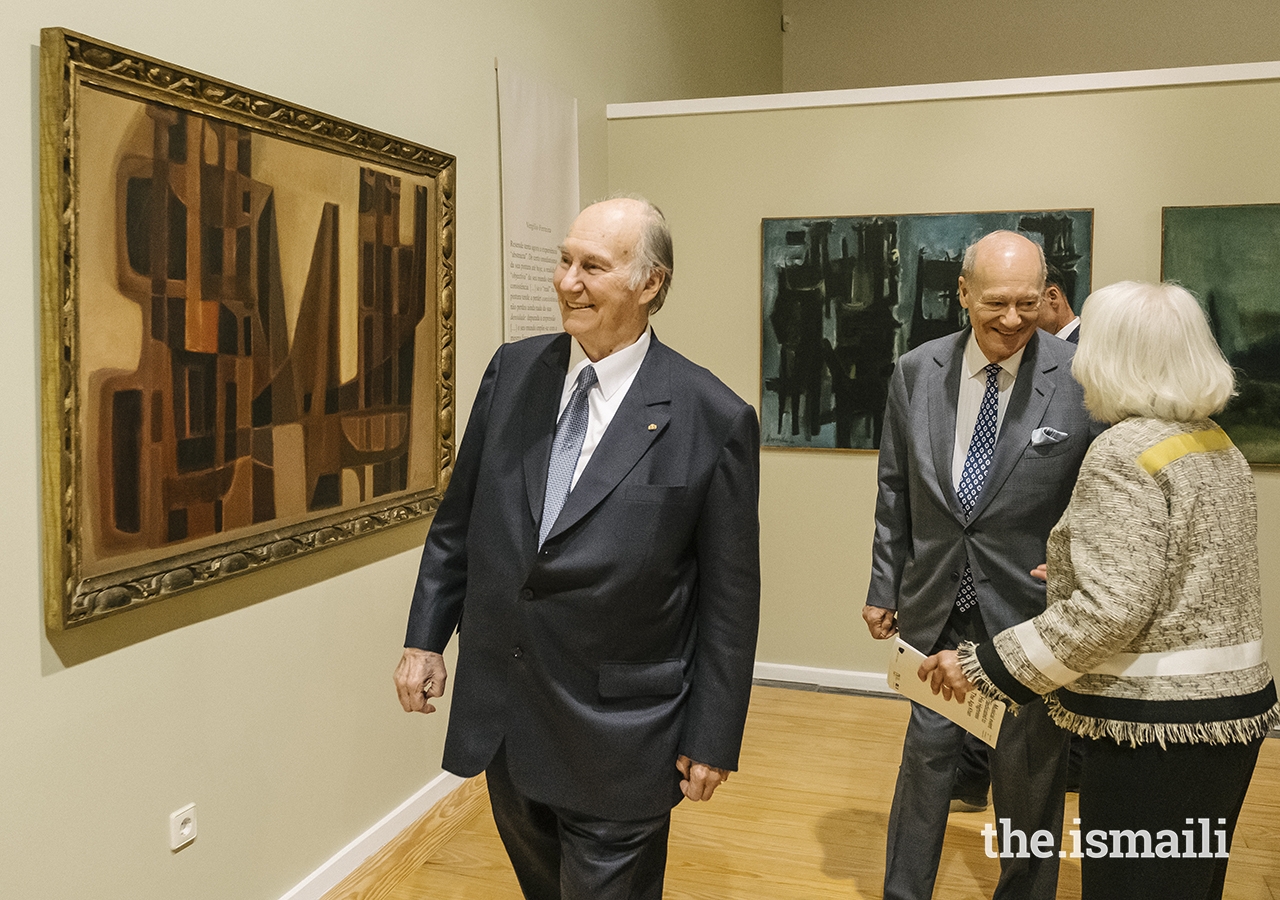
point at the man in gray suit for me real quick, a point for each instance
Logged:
(984, 433)
(597, 551)
(973, 774)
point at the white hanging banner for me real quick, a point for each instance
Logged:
(538, 144)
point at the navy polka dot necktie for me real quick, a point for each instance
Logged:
(976, 465)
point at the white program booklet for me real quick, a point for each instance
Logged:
(979, 714)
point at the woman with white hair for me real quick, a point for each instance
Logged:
(1151, 644)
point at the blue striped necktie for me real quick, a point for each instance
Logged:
(976, 464)
(571, 430)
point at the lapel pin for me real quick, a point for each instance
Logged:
(653, 426)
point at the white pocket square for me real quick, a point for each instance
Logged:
(1042, 436)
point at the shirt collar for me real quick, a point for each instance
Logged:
(975, 360)
(1068, 328)
(616, 369)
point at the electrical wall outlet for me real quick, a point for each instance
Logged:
(182, 827)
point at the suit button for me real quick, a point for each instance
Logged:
(526, 594)
(517, 653)
(955, 576)
(969, 531)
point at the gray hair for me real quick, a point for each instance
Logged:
(653, 251)
(1146, 350)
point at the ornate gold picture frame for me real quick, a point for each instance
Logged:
(247, 329)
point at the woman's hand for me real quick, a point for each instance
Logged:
(942, 671)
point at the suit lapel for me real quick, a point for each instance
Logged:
(1027, 405)
(539, 419)
(640, 419)
(943, 394)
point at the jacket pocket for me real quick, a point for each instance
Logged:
(643, 679)
(654, 493)
(1067, 445)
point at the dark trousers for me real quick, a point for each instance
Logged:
(559, 854)
(973, 772)
(1153, 790)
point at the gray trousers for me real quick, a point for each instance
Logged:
(1028, 784)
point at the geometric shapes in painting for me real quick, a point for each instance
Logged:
(247, 353)
(844, 297)
(1229, 258)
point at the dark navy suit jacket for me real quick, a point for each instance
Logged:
(629, 638)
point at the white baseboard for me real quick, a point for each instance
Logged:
(349, 858)
(843, 679)
(346, 860)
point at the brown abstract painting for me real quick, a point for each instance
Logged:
(248, 329)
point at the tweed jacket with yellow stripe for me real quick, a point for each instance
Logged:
(1153, 631)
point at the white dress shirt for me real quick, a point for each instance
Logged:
(973, 384)
(614, 375)
(1066, 330)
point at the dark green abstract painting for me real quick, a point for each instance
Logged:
(1229, 257)
(843, 297)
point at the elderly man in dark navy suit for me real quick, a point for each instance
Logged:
(597, 551)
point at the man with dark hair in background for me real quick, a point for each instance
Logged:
(1057, 317)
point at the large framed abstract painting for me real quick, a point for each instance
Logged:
(247, 329)
(1229, 257)
(844, 297)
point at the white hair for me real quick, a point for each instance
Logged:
(1146, 350)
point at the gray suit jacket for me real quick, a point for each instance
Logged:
(922, 537)
(629, 637)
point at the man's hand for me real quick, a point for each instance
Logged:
(942, 671)
(882, 623)
(419, 678)
(1041, 571)
(700, 781)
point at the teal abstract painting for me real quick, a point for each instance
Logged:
(1229, 257)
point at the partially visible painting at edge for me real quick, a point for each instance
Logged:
(843, 297)
(247, 329)
(1229, 257)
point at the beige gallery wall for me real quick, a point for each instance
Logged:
(1125, 154)
(838, 44)
(268, 701)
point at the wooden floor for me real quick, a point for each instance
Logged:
(805, 819)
